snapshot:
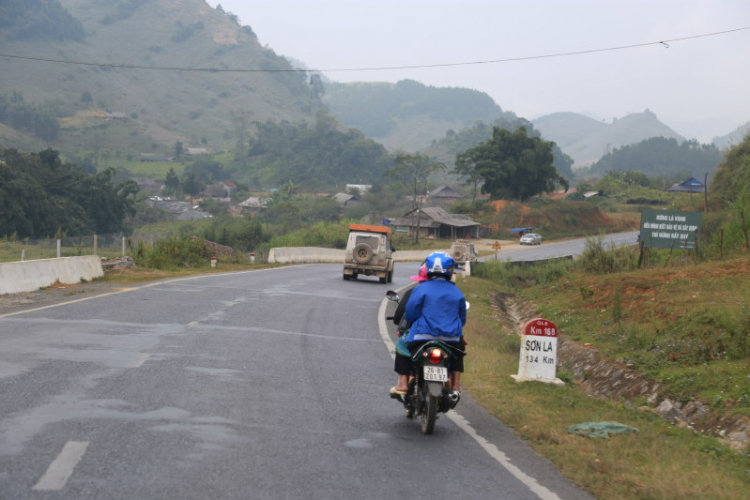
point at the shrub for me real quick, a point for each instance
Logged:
(173, 253)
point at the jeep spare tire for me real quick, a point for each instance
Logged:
(362, 253)
(458, 254)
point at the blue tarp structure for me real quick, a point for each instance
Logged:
(522, 229)
(691, 185)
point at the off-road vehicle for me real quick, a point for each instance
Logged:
(369, 252)
(462, 252)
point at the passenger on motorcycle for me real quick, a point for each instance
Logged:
(403, 364)
(436, 310)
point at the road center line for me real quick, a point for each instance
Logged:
(62, 467)
(464, 425)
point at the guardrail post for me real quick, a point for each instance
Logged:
(123, 246)
(96, 244)
(23, 255)
(59, 248)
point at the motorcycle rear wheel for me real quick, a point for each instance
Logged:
(429, 413)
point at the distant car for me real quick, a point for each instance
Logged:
(531, 239)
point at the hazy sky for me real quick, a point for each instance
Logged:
(698, 86)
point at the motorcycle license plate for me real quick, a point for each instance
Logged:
(435, 373)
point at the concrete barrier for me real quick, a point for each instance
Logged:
(312, 255)
(305, 255)
(30, 275)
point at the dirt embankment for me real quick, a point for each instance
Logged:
(565, 217)
(604, 378)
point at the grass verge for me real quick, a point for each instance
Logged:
(660, 461)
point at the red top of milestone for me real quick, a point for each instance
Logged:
(540, 327)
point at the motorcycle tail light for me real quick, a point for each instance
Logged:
(436, 356)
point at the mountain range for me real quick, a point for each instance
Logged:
(586, 140)
(138, 76)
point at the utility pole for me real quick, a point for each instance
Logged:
(705, 193)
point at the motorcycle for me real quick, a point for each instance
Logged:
(430, 389)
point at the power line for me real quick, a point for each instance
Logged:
(664, 43)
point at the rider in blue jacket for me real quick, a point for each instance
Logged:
(437, 310)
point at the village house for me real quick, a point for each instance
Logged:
(254, 204)
(180, 210)
(346, 199)
(437, 223)
(444, 193)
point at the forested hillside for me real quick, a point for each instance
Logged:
(315, 157)
(135, 76)
(409, 115)
(38, 19)
(661, 157)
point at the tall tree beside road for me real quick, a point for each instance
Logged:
(415, 171)
(43, 196)
(107, 204)
(511, 165)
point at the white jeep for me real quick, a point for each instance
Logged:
(369, 252)
(462, 252)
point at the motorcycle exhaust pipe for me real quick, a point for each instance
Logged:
(453, 398)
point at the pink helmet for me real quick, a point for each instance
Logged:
(422, 276)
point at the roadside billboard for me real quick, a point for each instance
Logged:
(669, 229)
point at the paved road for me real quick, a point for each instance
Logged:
(263, 384)
(556, 249)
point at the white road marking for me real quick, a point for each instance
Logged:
(502, 458)
(139, 360)
(464, 425)
(62, 467)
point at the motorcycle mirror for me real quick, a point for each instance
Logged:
(391, 295)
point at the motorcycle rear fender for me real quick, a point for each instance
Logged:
(435, 388)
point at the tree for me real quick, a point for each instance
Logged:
(467, 171)
(316, 85)
(172, 182)
(108, 205)
(46, 196)
(178, 150)
(206, 170)
(511, 165)
(192, 186)
(241, 123)
(415, 171)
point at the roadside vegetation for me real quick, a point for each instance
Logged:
(682, 322)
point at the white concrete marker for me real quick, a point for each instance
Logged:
(538, 360)
(62, 467)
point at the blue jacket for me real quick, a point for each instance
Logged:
(437, 311)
